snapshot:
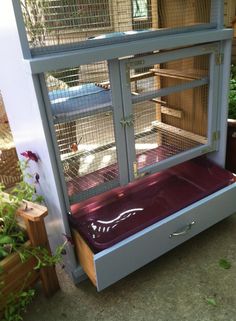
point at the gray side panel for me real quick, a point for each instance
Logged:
(136, 251)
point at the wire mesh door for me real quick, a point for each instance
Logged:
(81, 108)
(54, 25)
(168, 118)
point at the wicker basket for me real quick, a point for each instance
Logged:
(9, 170)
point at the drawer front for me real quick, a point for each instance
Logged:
(134, 252)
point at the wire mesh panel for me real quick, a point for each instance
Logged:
(83, 118)
(170, 109)
(52, 23)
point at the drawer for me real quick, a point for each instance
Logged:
(116, 262)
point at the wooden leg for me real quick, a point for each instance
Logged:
(34, 221)
(38, 237)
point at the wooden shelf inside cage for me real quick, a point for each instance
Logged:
(180, 132)
(190, 74)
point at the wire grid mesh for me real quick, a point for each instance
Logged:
(176, 72)
(53, 23)
(84, 126)
(166, 126)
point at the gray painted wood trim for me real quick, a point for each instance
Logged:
(118, 115)
(143, 247)
(175, 54)
(21, 29)
(212, 99)
(47, 123)
(217, 13)
(36, 52)
(176, 159)
(107, 52)
(128, 114)
(222, 101)
(169, 90)
(58, 163)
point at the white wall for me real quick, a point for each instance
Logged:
(18, 92)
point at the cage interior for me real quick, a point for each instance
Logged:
(53, 23)
(167, 125)
(84, 127)
(164, 124)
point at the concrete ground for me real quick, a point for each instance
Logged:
(184, 284)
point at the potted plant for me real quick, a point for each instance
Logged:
(231, 135)
(25, 255)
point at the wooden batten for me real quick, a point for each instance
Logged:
(180, 132)
(171, 112)
(177, 74)
(85, 256)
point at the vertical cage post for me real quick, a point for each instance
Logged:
(224, 75)
(21, 29)
(217, 13)
(114, 72)
(41, 94)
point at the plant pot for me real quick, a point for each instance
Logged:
(231, 146)
(16, 276)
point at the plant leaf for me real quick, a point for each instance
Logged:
(211, 301)
(3, 253)
(224, 264)
(4, 239)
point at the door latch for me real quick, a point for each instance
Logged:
(128, 121)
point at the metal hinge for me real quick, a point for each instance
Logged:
(135, 169)
(138, 175)
(219, 58)
(216, 136)
(128, 121)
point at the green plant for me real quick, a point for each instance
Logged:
(12, 239)
(11, 236)
(224, 264)
(211, 301)
(232, 94)
(17, 305)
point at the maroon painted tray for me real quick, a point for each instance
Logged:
(108, 218)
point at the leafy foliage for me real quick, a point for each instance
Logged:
(11, 236)
(211, 301)
(12, 239)
(17, 304)
(232, 94)
(224, 264)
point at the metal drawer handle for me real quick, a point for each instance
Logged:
(184, 231)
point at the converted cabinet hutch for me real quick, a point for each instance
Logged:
(125, 103)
